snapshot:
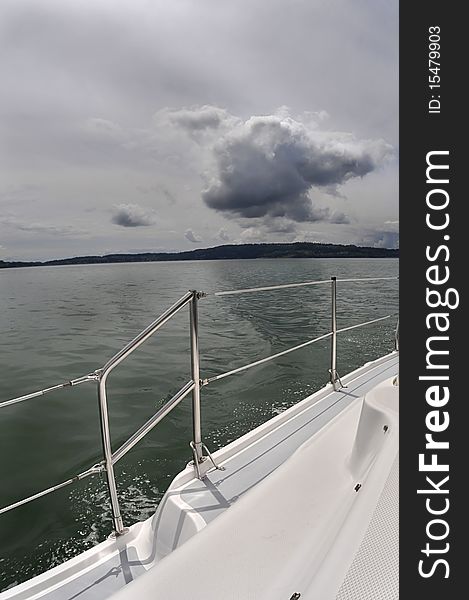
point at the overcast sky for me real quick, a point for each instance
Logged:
(151, 125)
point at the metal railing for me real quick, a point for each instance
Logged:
(199, 450)
(100, 376)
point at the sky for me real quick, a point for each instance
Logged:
(151, 125)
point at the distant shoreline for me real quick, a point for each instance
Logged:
(226, 252)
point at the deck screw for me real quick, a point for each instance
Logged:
(357, 487)
(385, 428)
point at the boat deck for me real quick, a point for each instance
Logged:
(377, 560)
(190, 505)
(300, 529)
(272, 445)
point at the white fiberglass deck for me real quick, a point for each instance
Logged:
(298, 530)
(374, 573)
(297, 522)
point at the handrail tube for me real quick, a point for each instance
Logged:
(59, 386)
(394, 278)
(195, 372)
(180, 395)
(116, 359)
(107, 454)
(159, 322)
(270, 287)
(194, 385)
(91, 471)
(152, 421)
(273, 356)
(146, 333)
(103, 406)
(300, 284)
(333, 370)
(266, 359)
(363, 324)
(396, 336)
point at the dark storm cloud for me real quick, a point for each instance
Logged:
(132, 215)
(267, 166)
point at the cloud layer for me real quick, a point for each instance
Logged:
(115, 115)
(42, 228)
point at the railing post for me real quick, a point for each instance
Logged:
(119, 528)
(334, 377)
(197, 445)
(396, 337)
